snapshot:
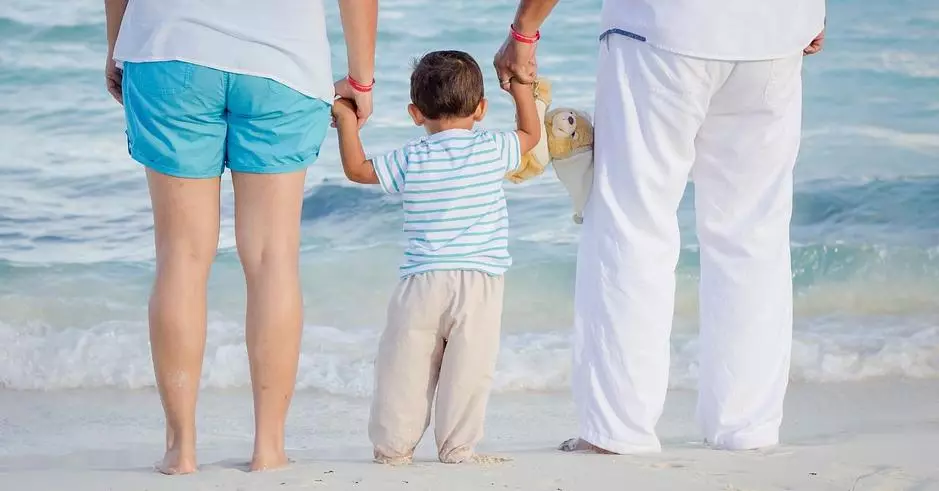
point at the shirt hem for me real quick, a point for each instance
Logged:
(706, 56)
(491, 272)
(633, 34)
(218, 66)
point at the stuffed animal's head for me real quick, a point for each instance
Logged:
(569, 132)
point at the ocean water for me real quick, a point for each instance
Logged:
(76, 251)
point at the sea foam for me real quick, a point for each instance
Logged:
(339, 361)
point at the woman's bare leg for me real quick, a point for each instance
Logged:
(186, 221)
(267, 231)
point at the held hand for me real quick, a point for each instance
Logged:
(519, 89)
(113, 76)
(344, 110)
(362, 100)
(816, 45)
(515, 60)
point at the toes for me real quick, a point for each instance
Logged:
(581, 445)
(569, 445)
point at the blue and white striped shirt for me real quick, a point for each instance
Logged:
(454, 207)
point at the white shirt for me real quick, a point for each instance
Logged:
(733, 30)
(283, 40)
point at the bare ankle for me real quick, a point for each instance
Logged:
(267, 441)
(268, 461)
(269, 454)
(177, 461)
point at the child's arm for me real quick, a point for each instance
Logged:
(529, 125)
(354, 163)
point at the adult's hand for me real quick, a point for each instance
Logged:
(113, 76)
(816, 45)
(515, 60)
(362, 100)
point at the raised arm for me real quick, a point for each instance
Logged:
(531, 14)
(354, 163)
(114, 14)
(516, 59)
(529, 125)
(359, 26)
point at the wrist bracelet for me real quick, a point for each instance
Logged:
(359, 86)
(523, 38)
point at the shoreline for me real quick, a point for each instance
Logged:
(861, 436)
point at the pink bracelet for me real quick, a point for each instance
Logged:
(359, 86)
(523, 38)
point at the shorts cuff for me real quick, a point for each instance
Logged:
(170, 171)
(272, 169)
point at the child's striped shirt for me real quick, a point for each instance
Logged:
(454, 206)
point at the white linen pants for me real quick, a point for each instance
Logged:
(735, 128)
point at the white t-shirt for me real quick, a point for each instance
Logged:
(283, 40)
(732, 30)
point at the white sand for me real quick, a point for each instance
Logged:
(871, 436)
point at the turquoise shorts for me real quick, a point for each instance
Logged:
(191, 121)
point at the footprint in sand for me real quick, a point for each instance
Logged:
(489, 459)
(669, 465)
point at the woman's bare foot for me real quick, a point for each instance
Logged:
(175, 463)
(268, 460)
(583, 446)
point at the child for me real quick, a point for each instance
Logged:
(445, 316)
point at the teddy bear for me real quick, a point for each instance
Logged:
(567, 144)
(570, 143)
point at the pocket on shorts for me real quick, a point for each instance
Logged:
(160, 77)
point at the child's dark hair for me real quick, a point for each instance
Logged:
(447, 84)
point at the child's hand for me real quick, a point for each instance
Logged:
(517, 88)
(343, 110)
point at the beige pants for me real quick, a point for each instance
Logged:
(442, 335)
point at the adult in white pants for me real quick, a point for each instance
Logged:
(712, 90)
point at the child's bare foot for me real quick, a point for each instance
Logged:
(401, 460)
(268, 460)
(580, 445)
(176, 462)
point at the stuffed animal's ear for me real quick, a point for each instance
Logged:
(584, 135)
(582, 115)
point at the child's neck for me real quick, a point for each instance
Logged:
(434, 126)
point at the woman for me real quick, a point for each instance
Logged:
(245, 85)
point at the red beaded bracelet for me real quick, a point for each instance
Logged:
(359, 86)
(523, 38)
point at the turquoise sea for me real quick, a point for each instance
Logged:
(76, 251)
